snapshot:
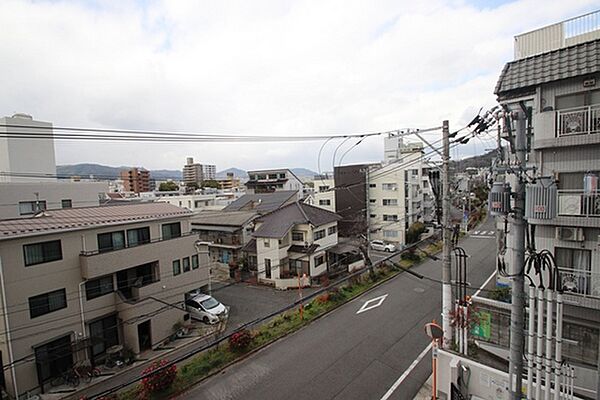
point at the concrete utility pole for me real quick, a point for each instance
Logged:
(446, 230)
(517, 310)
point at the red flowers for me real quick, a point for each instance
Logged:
(160, 380)
(240, 341)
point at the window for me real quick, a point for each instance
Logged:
(66, 203)
(319, 260)
(170, 231)
(272, 176)
(107, 333)
(266, 243)
(176, 267)
(99, 287)
(332, 230)
(195, 263)
(390, 202)
(372, 185)
(389, 186)
(282, 176)
(425, 184)
(186, 264)
(138, 236)
(390, 234)
(268, 268)
(47, 303)
(297, 236)
(111, 241)
(39, 253)
(31, 207)
(372, 201)
(323, 188)
(390, 217)
(320, 234)
(325, 202)
(414, 172)
(372, 216)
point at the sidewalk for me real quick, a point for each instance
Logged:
(425, 391)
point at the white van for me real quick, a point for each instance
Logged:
(206, 308)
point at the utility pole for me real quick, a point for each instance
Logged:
(446, 230)
(517, 310)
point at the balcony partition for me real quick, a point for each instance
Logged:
(578, 121)
(579, 203)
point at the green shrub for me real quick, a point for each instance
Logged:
(240, 341)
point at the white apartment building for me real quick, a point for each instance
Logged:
(324, 193)
(386, 203)
(273, 180)
(25, 159)
(77, 281)
(209, 172)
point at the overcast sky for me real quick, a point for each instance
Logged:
(258, 67)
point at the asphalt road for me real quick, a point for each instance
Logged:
(346, 355)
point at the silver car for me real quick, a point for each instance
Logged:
(206, 308)
(380, 245)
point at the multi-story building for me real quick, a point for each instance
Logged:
(351, 198)
(26, 160)
(386, 203)
(324, 192)
(292, 241)
(556, 75)
(78, 281)
(136, 180)
(273, 180)
(229, 183)
(192, 172)
(26, 199)
(209, 172)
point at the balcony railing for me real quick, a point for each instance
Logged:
(584, 283)
(88, 253)
(578, 121)
(578, 203)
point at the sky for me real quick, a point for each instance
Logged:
(272, 67)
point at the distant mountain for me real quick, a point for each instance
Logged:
(303, 172)
(483, 160)
(238, 173)
(107, 172)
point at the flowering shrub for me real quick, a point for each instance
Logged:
(160, 380)
(240, 341)
(324, 298)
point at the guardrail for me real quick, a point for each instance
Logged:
(578, 121)
(583, 283)
(578, 203)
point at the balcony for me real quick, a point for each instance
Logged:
(578, 121)
(95, 264)
(578, 203)
(582, 283)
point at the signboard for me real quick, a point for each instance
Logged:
(483, 328)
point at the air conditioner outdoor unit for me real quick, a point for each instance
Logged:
(570, 234)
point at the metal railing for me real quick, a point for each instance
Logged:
(562, 34)
(584, 283)
(87, 253)
(578, 121)
(579, 203)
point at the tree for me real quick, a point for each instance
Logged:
(413, 234)
(191, 186)
(210, 184)
(168, 186)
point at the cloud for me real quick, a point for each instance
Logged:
(260, 67)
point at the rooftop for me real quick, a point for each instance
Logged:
(278, 223)
(226, 218)
(72, 219)
(262, 202)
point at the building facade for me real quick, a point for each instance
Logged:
(136, 180)
(273, 180)
(192, 172)
(324, 192)
(26, 159)
(77, 281)
(386, 203)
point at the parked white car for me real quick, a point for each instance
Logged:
(206, 308)
(380, 245)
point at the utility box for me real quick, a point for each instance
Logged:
(541, 199)
(499, 199)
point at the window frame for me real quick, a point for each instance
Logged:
(332, 230)
(176, 271)
(112, 241)
(46, 296)
(297, 233)
(170, 226)
(320, 234)
(44, 252)
(101, 287)
(195, 262)
(185, 268)
(69, 203)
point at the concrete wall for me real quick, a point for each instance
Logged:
(27, 156)
(81, 194)
(20, 283)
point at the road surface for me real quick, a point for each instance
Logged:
(354, 354)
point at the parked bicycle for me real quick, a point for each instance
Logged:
(86, 372)
(69, 378)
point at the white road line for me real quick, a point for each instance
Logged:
(412, 366)
(485, 284)
(475, 233)
(371, 304)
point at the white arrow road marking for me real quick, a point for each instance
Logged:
(371, 304)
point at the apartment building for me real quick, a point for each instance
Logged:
(351, 198)
(324, 192)
(192, 172)
(556, 75)
(136, 180)
(20, 161)
(386, 203)
(273, 180)
(24, 199)
(209, 172)
(291, 242)
(78, 281)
